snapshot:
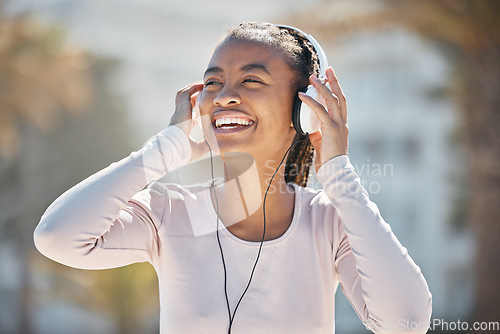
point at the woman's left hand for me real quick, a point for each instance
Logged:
(332, 141)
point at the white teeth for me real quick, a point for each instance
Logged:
(233, 120)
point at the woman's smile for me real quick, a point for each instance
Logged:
(248, 94)
(230, 122)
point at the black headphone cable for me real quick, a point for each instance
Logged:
(231, 317)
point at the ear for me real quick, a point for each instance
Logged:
(291, 131)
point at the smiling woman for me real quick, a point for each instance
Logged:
(276, 268)
(250, 81)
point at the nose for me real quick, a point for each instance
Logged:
(227, 97)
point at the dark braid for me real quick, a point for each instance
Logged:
(299, 161)
(300, 157)
(299, 54)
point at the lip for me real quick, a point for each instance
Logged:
(231, 113)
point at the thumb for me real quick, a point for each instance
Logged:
(315, 139)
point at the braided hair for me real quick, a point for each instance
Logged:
(299, 54)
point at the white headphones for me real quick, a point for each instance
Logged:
(303, 118)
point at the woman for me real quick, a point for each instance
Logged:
(274, 269)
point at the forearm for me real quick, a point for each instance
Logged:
(392, 285)
(73, 225)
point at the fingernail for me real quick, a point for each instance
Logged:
(302, 94)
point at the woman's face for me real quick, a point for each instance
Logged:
(248, 96)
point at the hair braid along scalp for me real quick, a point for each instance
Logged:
(299, 54)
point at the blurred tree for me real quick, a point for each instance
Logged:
(59, 123)
(40, 76)
(468, 34)
(78, 147)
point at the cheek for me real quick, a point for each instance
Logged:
(282, 107)
(204, 102)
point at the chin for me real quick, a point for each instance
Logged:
(227, 145)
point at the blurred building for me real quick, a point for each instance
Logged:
(402, 126)
(404, 134)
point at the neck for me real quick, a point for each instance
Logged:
(240, 198)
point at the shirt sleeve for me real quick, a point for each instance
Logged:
(106, 221)
(378, 277)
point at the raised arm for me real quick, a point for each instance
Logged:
(95, 225)
(86, 228)
(384, 285)
(378, 276)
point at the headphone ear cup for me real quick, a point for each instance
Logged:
(296, 111)
(303, 117)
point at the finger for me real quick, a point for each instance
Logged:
(196, 87)
(315, 139)
(194, 98)
(332, 102)
(317, 107)
(186, 97)
(183, 108)
(186, 92)
(193, 87)
(337, 90)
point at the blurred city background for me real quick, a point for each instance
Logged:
(83, 83)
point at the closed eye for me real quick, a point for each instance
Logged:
(252, 80)
(211, 82)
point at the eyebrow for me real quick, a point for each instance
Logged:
(214, 69)
(245, 68)
(259, 67)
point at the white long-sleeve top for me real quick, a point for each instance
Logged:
(336, 236)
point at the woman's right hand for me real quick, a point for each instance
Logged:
(184, 104)
(185, 101)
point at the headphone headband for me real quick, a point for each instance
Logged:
(323, 62)
(303, 118)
